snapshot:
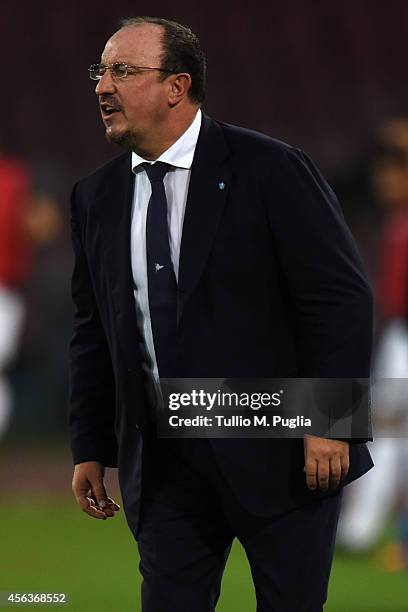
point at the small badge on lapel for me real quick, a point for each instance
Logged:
(221, 186)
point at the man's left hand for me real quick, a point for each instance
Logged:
(326, 462)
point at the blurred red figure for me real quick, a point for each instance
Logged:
(371, 501)
(390, 181)
(27, 220)
(15, 259)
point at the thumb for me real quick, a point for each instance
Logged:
(99, 493)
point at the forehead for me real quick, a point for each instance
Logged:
(135, 44)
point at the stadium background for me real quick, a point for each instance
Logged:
(322, 76)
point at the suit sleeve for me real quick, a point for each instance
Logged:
(323, 273)
(92, 386)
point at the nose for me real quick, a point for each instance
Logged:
(105, 85)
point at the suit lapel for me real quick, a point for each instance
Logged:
(114, 211)
(209, 185)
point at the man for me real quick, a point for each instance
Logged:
(15, 260)
(207, 250)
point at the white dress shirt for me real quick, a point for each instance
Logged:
(176, 181)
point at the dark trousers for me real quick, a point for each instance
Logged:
(189, 520)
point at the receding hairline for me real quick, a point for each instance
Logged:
(127, 27)
(143, 25)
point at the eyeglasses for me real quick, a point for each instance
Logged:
(119, 70)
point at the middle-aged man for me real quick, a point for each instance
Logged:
(207, 250)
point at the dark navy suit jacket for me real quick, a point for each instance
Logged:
(270, 285)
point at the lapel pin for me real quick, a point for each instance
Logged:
(221, 186)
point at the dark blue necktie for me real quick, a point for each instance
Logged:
(162, 285)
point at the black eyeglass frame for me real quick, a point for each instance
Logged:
(96, 68)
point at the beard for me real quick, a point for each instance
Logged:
(128, 141)
(123, 140)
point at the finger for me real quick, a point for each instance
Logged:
(113, 504)
(107, 505)
(102, 506)
(311, 474)
(335, 471)
(99, 493)
(108, 512)
(345, 465)
(95, 512)
(323, 470)
(88, 506)
(110, 508)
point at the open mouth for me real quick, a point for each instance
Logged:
(108, 110)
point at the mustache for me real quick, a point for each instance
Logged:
(110, 101)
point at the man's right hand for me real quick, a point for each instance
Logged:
(89, 490)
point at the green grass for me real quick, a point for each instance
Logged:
(53, 547)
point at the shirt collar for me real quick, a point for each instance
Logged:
(181, 152)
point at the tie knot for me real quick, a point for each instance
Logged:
(156, 172)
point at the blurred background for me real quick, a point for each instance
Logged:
(327, 77)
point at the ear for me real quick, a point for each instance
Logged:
(179, 86)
